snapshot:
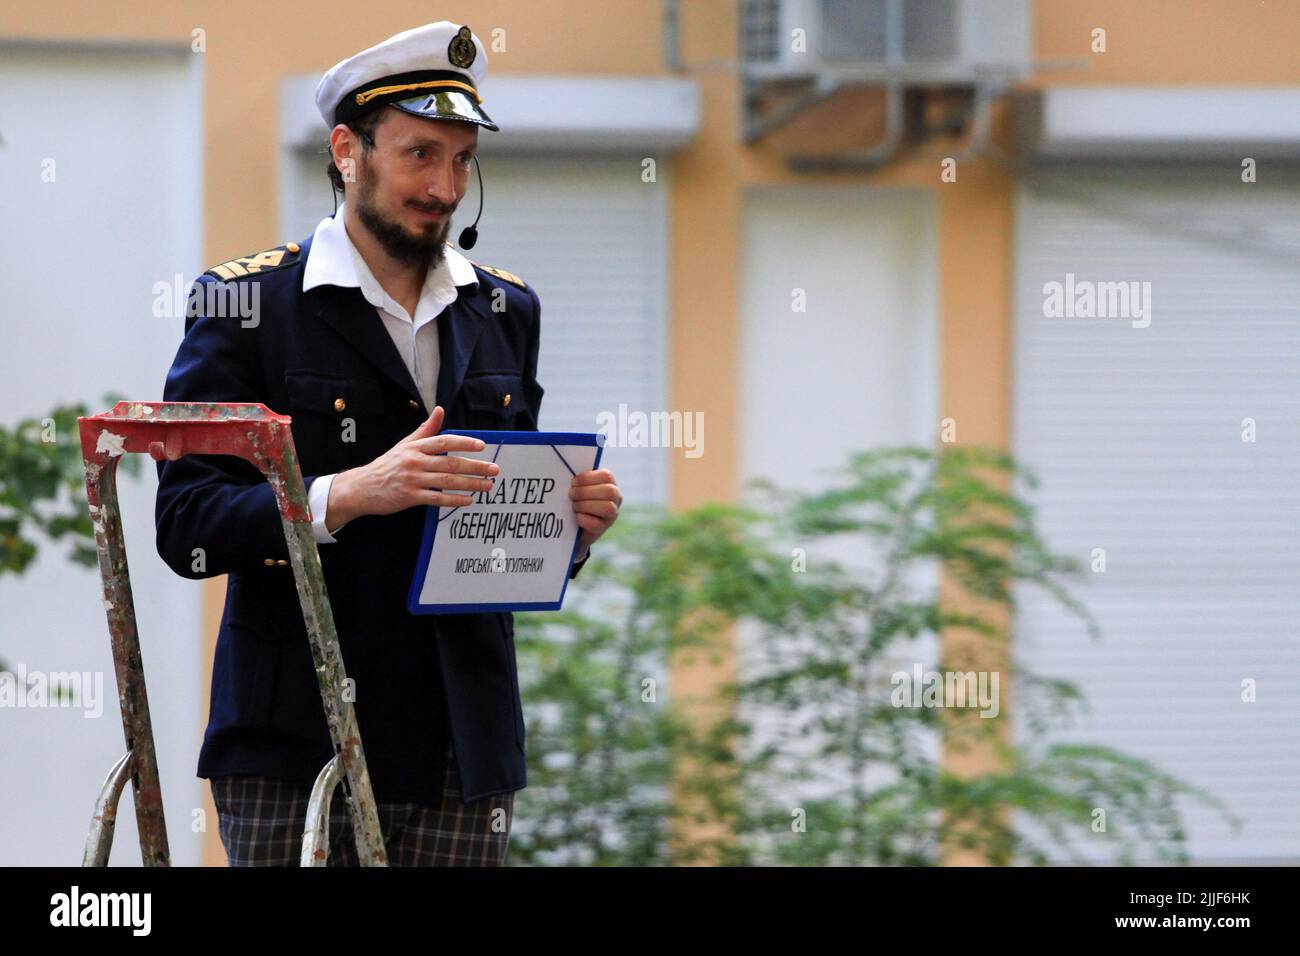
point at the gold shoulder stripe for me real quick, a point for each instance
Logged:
(502, 274)
(271, 259)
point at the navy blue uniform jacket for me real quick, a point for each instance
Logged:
(418, 677)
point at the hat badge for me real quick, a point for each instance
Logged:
(461, 51)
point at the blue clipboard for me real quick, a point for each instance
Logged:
(431, 522)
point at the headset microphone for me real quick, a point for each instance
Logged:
(469, 235)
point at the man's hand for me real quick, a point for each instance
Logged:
(415, 471)
(596, 500)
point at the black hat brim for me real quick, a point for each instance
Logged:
(446, 105)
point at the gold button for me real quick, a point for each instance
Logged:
(269, 562)
(282, 562)
(505, 402)
(414, 404)
(339, 404)
(292, 246)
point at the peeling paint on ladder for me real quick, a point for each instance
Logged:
(113, 445)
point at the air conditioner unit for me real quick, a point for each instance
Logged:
(939, 41)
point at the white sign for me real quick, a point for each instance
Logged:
(511, 548)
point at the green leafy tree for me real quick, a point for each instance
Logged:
(43, 489)
(603, 736)
(814, 761)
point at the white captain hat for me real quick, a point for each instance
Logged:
(432, 71)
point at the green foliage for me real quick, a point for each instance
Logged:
(811, 760)
(43, 489)
(602, 742)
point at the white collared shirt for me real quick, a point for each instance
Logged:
(333, 259)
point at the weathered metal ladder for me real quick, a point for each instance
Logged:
(251, 431)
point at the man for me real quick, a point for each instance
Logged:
(374, 334)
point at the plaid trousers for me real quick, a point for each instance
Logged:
(261, 820)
